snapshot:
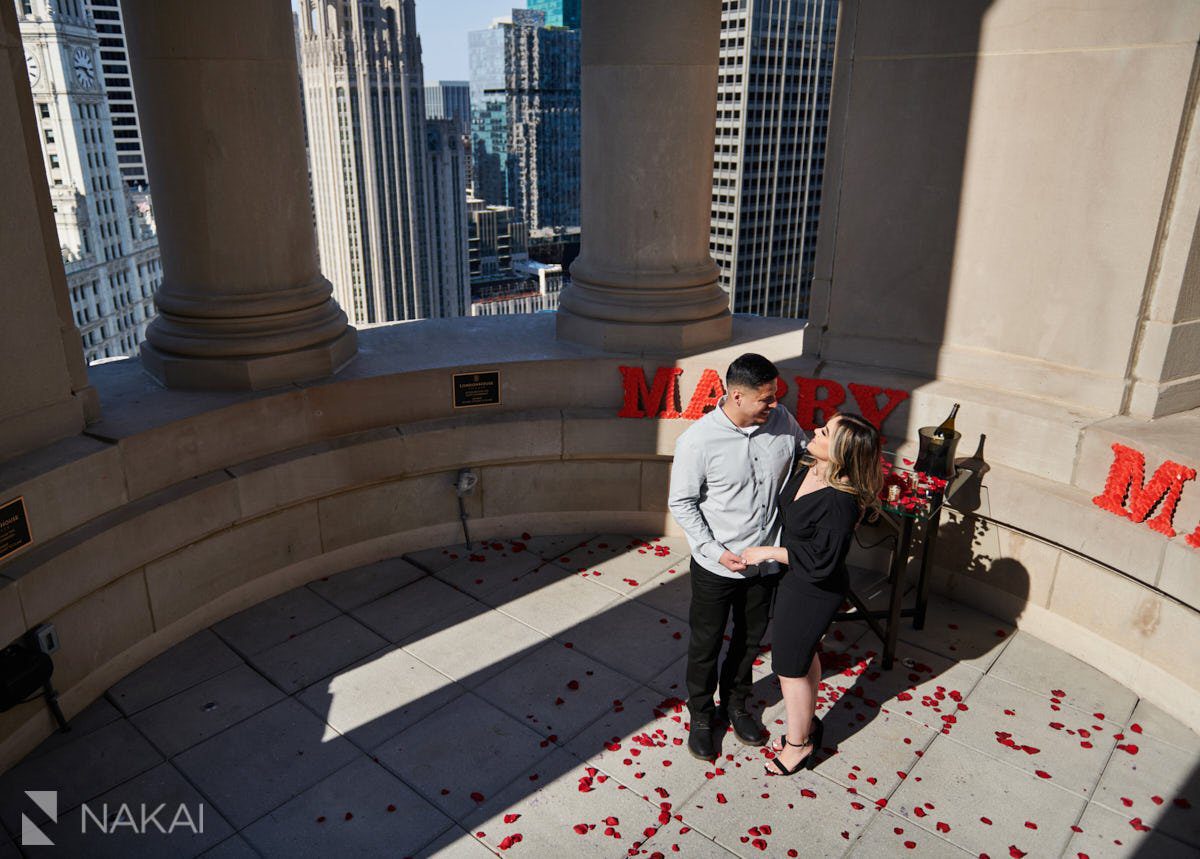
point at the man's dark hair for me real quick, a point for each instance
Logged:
(750, 371)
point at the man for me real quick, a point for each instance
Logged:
(729, 467)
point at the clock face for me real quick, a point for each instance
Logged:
(35, 69)
(85, 72)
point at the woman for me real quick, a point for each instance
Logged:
(839, 478)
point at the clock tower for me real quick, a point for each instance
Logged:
(105, 231)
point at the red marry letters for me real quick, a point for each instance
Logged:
(814, 397)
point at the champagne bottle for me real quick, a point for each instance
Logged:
(946, 428)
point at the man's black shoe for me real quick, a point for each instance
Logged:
(700, 740)
(746, 728)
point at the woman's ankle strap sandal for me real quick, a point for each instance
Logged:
(805, 763)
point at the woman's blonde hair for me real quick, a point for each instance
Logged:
(854, 463)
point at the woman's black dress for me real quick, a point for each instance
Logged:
(816, 533)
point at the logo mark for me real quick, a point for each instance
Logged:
(47, 801)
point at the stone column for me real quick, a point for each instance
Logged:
(44, 389)
(1165, 371)
(644, 279)
(243, 304)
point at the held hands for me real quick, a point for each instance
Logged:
(732, 562)
(749, 557)
(761, 554)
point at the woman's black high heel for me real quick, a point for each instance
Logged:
(810, 761)
(806, 763)
(816, 737)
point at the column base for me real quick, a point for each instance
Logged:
(250, 372)
(653, 337)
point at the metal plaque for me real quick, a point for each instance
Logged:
(476, 389)
(14, 527)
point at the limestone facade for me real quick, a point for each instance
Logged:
(105, 230)
(364, 99)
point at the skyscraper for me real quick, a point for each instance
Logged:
(774, 75)
(449, 100)
(118, 83)
(559, 13)
(525, 118)
(498, 242)
(448, 221)
(106, 232)
(364, 99)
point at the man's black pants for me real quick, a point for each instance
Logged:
(713, 599)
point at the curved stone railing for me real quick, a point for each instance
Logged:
(179, 508)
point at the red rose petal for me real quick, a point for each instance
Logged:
(1014, 852)
(511, 818)
(1029, 824)
(1136, 728)
(808, 794)
(580, 828)
(943, 827)
(477, 796)
(910, 844)
(1041, 774)
(985, 820)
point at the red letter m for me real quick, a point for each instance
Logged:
(1125, 483)
(656, 402)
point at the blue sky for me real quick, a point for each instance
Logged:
(444, 24)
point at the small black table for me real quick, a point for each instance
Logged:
(920, 506)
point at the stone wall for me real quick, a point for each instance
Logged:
(180, 508)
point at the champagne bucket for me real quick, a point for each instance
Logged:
(936, 454)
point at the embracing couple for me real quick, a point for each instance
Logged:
(769, 515)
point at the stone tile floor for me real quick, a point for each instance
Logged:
(523, 699)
